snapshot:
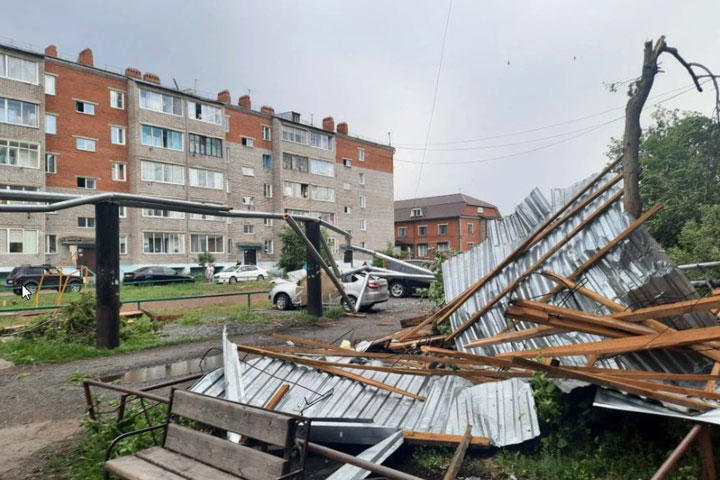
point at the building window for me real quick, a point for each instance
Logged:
(86, 183)
(416, 212)
(295, 162)
(471, 245)
(247, 142)
(50, 124)
(346, 186)
(117, 135)
(248, 228)
(202, 216)
(266, 133)
(422, 230)
(480, 209)
(159, 102)
(269, 247)
(117, 99)
(348, 210)
(207, 243)
(226, 123)
(247, 171)
(361, 178)
(267, 190)
(422, 250)
(123, 245)
(18, 112)
(248, 200)
(202, 145)
(86, 222)
(49, 84)
(471, 227)
(442, 229)
(50, 163)
(363, 244)
(19, 154)
(268, 222)
(295, 135)
(267, 161)
(122, 211)
(402, 232)
(206, 179)
(19, 188)
(332, 244)
(347, 162)
(363, 201)
(321, 167)
(119, 172)
(363, 225)
(294, 189)
(16, 68)
(50, 243)
(323, 194)
(162, 138)
(321, 140)
(85, 107)
(159, 213)
(162, 172)
(22, 241)
(443, 246)
(85, 144)
(163, 242)
(361, 154)
(205, 113)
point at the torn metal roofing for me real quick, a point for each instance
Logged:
(636, 273)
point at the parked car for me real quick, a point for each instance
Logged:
(29, 276)
(287, 294)
(155, 275)
(403, 287)
(240, 273)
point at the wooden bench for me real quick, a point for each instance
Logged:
(188, 453)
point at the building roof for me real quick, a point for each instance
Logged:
(441, 206)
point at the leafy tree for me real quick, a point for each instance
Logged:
(379, 262)
(293, 254)
(205, 258)
(699, 240)
(436, 291)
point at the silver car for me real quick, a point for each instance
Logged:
(287, 293)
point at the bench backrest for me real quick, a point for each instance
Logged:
(266, 426)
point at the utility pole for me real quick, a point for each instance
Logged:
(314, 280)
(107, 275)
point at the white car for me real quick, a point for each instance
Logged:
(240, 273)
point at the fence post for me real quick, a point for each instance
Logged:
(107, 284)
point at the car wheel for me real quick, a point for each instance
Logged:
(350, 308)
(232, 280)
(260, 278)
(32, 287)
(75, 286)
(397, 290)
(282, 301)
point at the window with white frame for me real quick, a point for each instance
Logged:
(205, 113)
(248, 228)
(471, 227)
(443, 246)
(323, 194)
(123, 244)
(119, 171)
(16, 68)
(347, 162)
(117, 99)
(50, 244)
(363, 225)
(159, 213)
(162, 172)
(163, 242)
(161, 138)
(294, 189)
(206, 179)
(207, 243)
(248, 200)
(295, 162)
(346, 186)
(50, 163)
(49, 84)
(247, 171)
(361, 178)
(480, 209)
(295, 135)
(122, 211)
(363, 244)
(202, 216)
(22, 241)
(269, 247)
(85, 144)
(268, 222)
(267, 190)
(348, 210)
(247, 142)
(87, 183)
(50, 124)
(442, 229)
(361, 154)
(86, 222)
(321, 167)
(18, 112)
(117, 135)
(84, 107)
(202, 145)
(267, 160)
(332, 244)
(422, 230)
(19, 154)
(159, 102)
(402, 232)
(321, 140)
(363, 201)
(422, 250)
(416, 212)
(226, 123)
(471, 244)
(266, 133)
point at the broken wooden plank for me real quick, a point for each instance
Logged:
(442, 439)
(459, 456)
(670, 309)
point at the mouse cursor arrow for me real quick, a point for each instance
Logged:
(26, 293)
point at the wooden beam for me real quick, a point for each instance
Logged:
(277, 396)
(442, 439)
(459, 456)
(516, 336)
(670, 309)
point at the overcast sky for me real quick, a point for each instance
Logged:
(508, 67)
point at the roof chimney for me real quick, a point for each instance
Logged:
(342, 128)
(133, 73)
(86, 57)
(268, 110)
(151, 77)
(244, 101)
(224, 97)
(51, 51)
(329, 124)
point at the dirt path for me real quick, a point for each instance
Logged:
(41, 405)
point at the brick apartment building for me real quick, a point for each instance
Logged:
(446, 222)
(68, 126)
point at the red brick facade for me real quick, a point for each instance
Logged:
(376, 157)
(244, 123)
(463, 239)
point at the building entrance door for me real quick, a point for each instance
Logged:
(87, 256)
(249, 256)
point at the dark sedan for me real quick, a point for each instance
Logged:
(155, 276)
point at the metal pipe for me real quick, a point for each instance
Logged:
(314, 274)
(362, 292)
(677, 453)
(384, 272)
(129, 391)
(691, 266)
(390, 259)
(107, 279)
(381, 470)
(333, 263)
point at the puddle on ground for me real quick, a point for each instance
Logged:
(163, 372)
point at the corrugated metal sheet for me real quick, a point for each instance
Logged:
(636, 273)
